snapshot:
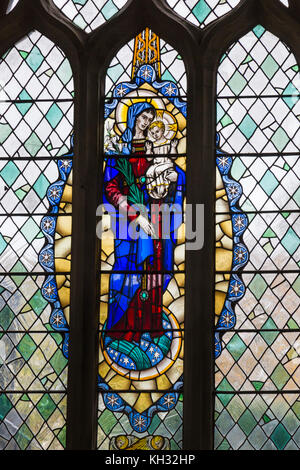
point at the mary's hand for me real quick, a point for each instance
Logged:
(146, 225)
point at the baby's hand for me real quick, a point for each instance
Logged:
(148, 146)
(173, 146)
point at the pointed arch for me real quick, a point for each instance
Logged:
(153, 394)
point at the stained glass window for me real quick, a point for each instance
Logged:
(137, 370)
(89, 14)
(257, 276)
(143, 281)
(36, 124)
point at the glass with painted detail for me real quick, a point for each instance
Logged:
(36, 128)
(143, 278)
(257, 285)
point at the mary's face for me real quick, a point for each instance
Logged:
(144, 120)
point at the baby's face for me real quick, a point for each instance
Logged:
(156, 133)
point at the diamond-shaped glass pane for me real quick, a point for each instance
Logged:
(32, 361)
(259, 64)
(33, 421)
(269, 183)
(89, 14)
(33, 73)
(267, 360)
(22, 305)
(24, 185)
(259, 125)
(202, 12)
(273, 241)
(22, 239)
(257, 422)
(271, 299)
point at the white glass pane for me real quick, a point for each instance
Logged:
(202, 12)
(89, 14)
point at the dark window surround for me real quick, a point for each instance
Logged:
(89, 56)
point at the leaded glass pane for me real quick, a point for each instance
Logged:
(271, 299)
(33, 74)
(23, 306)
(202, 12)
(262, 361)
(264, 125)
(257, 422)
(36, 154)
(143, 281)
(268, 184)
(32, 361)
(259, 64)
(259, 69)
(24, 185)
(89, 14)
(257, 295)
(33, 421)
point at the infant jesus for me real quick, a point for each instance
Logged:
(162, 172)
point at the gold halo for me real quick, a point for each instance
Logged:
(132, 98)
(170, 122)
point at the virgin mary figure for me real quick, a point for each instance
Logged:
(143, 266)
